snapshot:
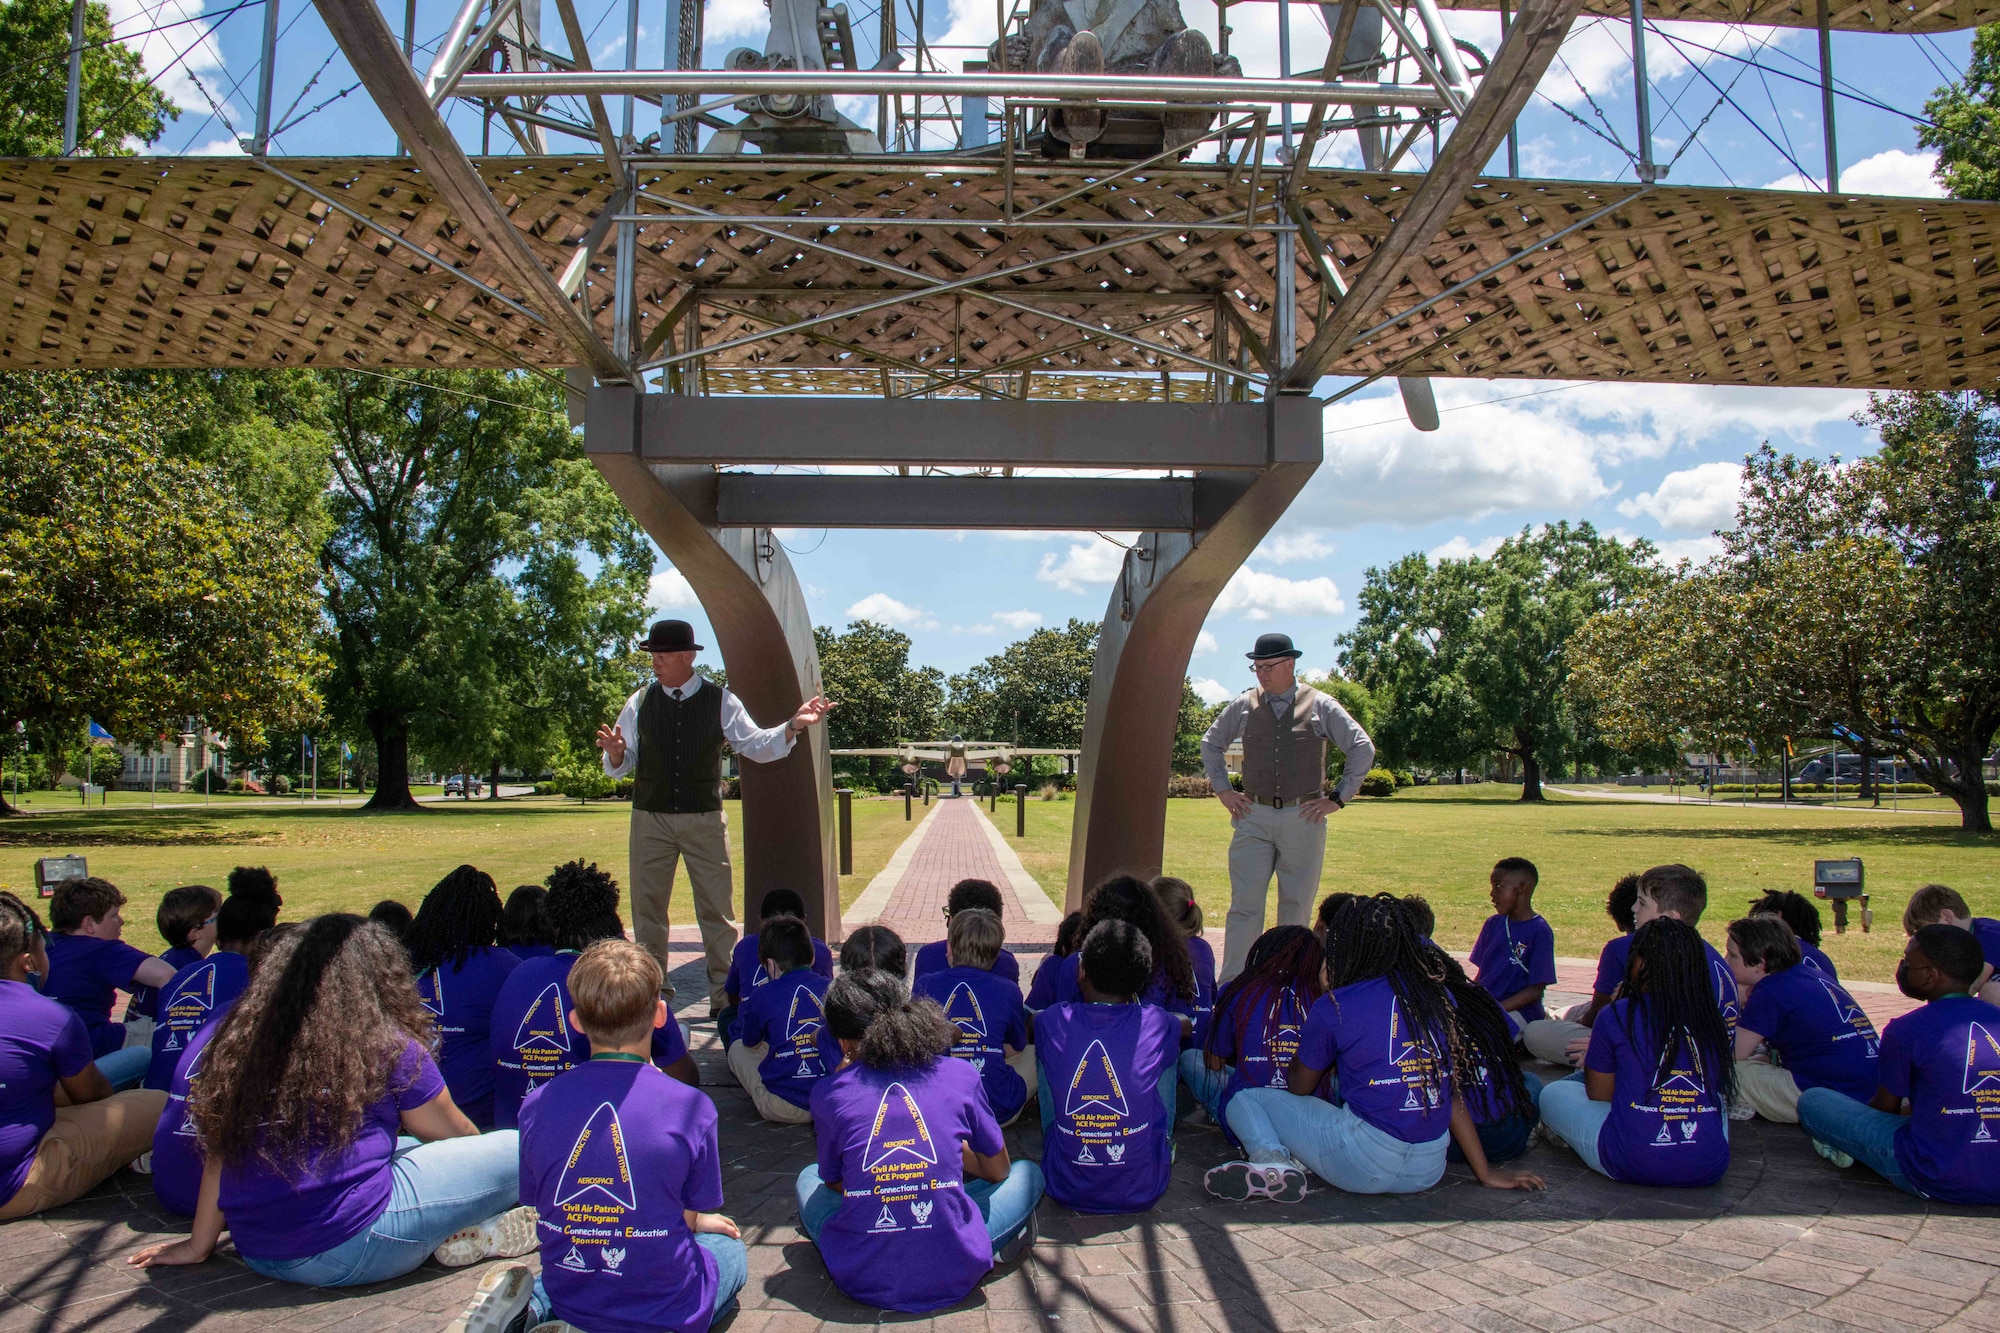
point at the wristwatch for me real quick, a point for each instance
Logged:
(1338, 804)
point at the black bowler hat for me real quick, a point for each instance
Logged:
(675, 636)
(1273, 645)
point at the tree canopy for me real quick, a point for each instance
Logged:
(117, 103)
(1034, 691)
(883, 699)
(1963, 126)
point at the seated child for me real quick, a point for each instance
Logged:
(460, 969)
(1798, 912)
(203, 991)
(331, 1030)
(52, 1154)
(900, 1128)
(394, 915)
(969, 893)
(532, 1039)
(256, 882)
(1259, 1017)
(1817, 1033)
(1421, 914)
(1069, 935)
(985, 1010)
(1937, 904)
(784, 1047)
(874, 947)
(1561, 1040)
(1384, 1036)
(524, 929)
(186, 918)
(1945, 1059)
(1651, 1104)
(747, 974)
(1177, 901)
(1106, 1070)
(176, 1159)
(1172, 986)
(1329, 905)
(1516, 951)
(622, 1166)
(89, 963)
(1505, 1119)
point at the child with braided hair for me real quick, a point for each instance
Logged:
(1172, 986)
(1390, 1035)
(1259, 1017)
(460, 969)
(1177, 901)
(1650, 1105)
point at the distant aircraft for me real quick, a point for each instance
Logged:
(957, 754)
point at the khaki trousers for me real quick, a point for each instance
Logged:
(84, 1148)
(1549, 1038)
(743, 1062)
(1266, 842)
(657, 846)
(1768, 1090)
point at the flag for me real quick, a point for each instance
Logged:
(312, 750)
(99, 734)
(1788, 747)
(1846, 734)
(345, 752)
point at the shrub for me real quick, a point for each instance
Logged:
(281, 785)
(1378, 782)
(1192, 786)
(1404, 778)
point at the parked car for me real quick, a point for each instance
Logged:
(456, 783)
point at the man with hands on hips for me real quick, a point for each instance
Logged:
(1280, 815)
(669, 736)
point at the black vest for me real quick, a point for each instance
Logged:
(680, 752)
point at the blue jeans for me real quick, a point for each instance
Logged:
(1861, 1131)
(732, 1270)
(1504, 1140)
(1332, 1142)
(1575, 1119)
(1170, 1092)
(126, 1068)
(1206, 1084)
(436, 1189)
(1007, 1207)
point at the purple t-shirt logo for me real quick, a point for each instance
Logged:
(900, 1158)
(802, 1029)
(1681, 1085)
(1097, 1109)
(1281, 1038)
(1413, 1060)
(1982, 1075)
(430, 991)
(962, 1009)
(542, 1040)
(597, 1166)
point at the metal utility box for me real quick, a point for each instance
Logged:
(53, 870)
(1842, 882)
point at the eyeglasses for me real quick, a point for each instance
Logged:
(1270, 664)
(211, 919)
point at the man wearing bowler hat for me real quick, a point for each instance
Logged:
(670, 735)
(1280, 815)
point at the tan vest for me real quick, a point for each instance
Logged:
(1283, 760)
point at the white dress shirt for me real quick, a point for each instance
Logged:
(758, 744)
(1329, 722)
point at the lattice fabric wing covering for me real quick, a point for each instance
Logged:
(214, 262)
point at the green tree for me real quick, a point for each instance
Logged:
(1032, 692)
(1964, 125)
(116, 103)
(883, 699)
(1195, 719)
(1474, 652)
(136, 588)
(463, 517)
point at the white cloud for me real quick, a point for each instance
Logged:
(182, 59)
(1256, 595)
(1018, 620)
(226, 146)
(1895, 171)
(1204, 642)
(1284, 548)
(1696, 499)
(1085, 567)
(1458, 548)
(669, 590)
(1212, 691)
(883, 609)
(1696, 549)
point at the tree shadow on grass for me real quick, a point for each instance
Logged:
(1863, 836)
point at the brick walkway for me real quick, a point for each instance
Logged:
(955, 843)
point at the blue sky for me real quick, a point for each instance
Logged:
(1640, 460)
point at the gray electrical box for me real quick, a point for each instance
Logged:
(1837, 879)
(53, 870)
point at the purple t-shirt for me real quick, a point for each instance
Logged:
(1611, 964)
(337, 1195)
(986, 1010)
(145, 998)
(1945, 1057)
(1067, 991)
(177, 1156)
(611, 1155)
(199, 992)
(1667, 1125)
(526, 951)
(1820, 1034)
(1258, 1034)
(532, 1040)
(1389, 1076)
(1110, 1147)
(461, 998)
(1202, 956)
(1611, 975)
(1042, 992)
(788, 1015)
(1812, 956)
(906, 1235)
(1987, 931)
(86, 974)
(746, 974)
(1513, 955)
(936, 957)
(41, 1041)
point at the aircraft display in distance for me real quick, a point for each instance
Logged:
(956, 755)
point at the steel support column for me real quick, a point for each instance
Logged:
(764, 633)
(1163, 594)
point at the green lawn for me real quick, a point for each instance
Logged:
(1441, 841)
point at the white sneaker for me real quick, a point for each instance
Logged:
(143, 1163)
(502, 1236)
(1832, 1154)
(500, 1302)
(1242, 1181)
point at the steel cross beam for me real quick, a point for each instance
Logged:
(1524, 55)
(378, 61)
